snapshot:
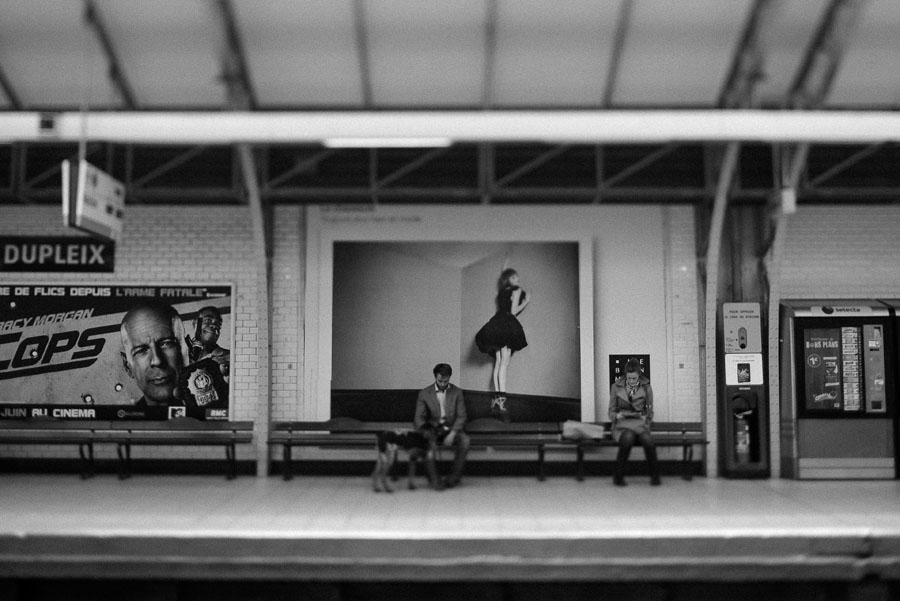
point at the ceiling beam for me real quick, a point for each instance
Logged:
(815, 77)
(638, 166)
(531, 165)
(823, 56)
(10, 92)
(301, 166)
(748, 65)
(177, 161)
(423, 159)
(554, 127)
(845, 164)
(235, 73)
(115, 71)
(362, 53)
(623, 24)
(490, 55)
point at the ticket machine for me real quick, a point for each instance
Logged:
(743, 411)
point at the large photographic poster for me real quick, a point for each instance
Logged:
(115, 351)
(401, 307)
(392, 291)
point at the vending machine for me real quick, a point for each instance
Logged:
(838, 389)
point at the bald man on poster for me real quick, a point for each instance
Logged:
(154, 352)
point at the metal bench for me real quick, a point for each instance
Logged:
(124, 434)
(339, 432)
(182, 431)
(39, 431)
(347, 433)
(686, 435)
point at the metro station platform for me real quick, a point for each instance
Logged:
(497, 537)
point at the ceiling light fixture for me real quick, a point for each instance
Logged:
(387, 142)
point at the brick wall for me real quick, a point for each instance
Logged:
(683, 317)
(835, 252)
(287, 306)
(168, 244)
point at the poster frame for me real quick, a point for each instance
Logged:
(122, 410)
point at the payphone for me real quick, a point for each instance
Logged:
(743, 410)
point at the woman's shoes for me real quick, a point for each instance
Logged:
(498, 408)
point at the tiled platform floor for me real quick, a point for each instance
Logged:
(492, 528)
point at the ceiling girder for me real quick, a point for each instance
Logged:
(623, 24)
(423, 159)
(177, 161)
(854, 159)
(816, 74)
(34, 171)
(638, 166)
(490, 54)
(116, 73)
(235, 73)
(301, 166)
(362, 53)
(10, 92)
(486, 172)
(748, 65)
(823, 56)
(531, 165)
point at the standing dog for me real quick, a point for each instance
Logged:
(419, 445)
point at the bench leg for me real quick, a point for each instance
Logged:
(124, 452)
(288, 463)
(541, 475)
(87, 459)
(687, 457)
(579, 463)
(232, 462)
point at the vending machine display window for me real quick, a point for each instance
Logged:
(842, 368)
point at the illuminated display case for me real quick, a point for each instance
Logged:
(839, 375)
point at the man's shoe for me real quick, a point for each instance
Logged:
(655, 481)
(619, 481)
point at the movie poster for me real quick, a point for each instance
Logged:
(115, 351)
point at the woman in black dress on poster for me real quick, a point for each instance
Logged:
(503, 335)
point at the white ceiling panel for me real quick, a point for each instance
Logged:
(679, 53)
(50, 57)
(169, 50)
(301, 52)
(870, 72)
(430, 54)
(426, 51)
(553, 54)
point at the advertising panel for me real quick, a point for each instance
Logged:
(115, 351)
(824, 368)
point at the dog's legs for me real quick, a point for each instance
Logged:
(413, 457)
(390, 459)
(377, 476)
(431, 470)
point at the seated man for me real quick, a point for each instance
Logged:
(442, 405)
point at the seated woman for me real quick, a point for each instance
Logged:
(631, 413)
